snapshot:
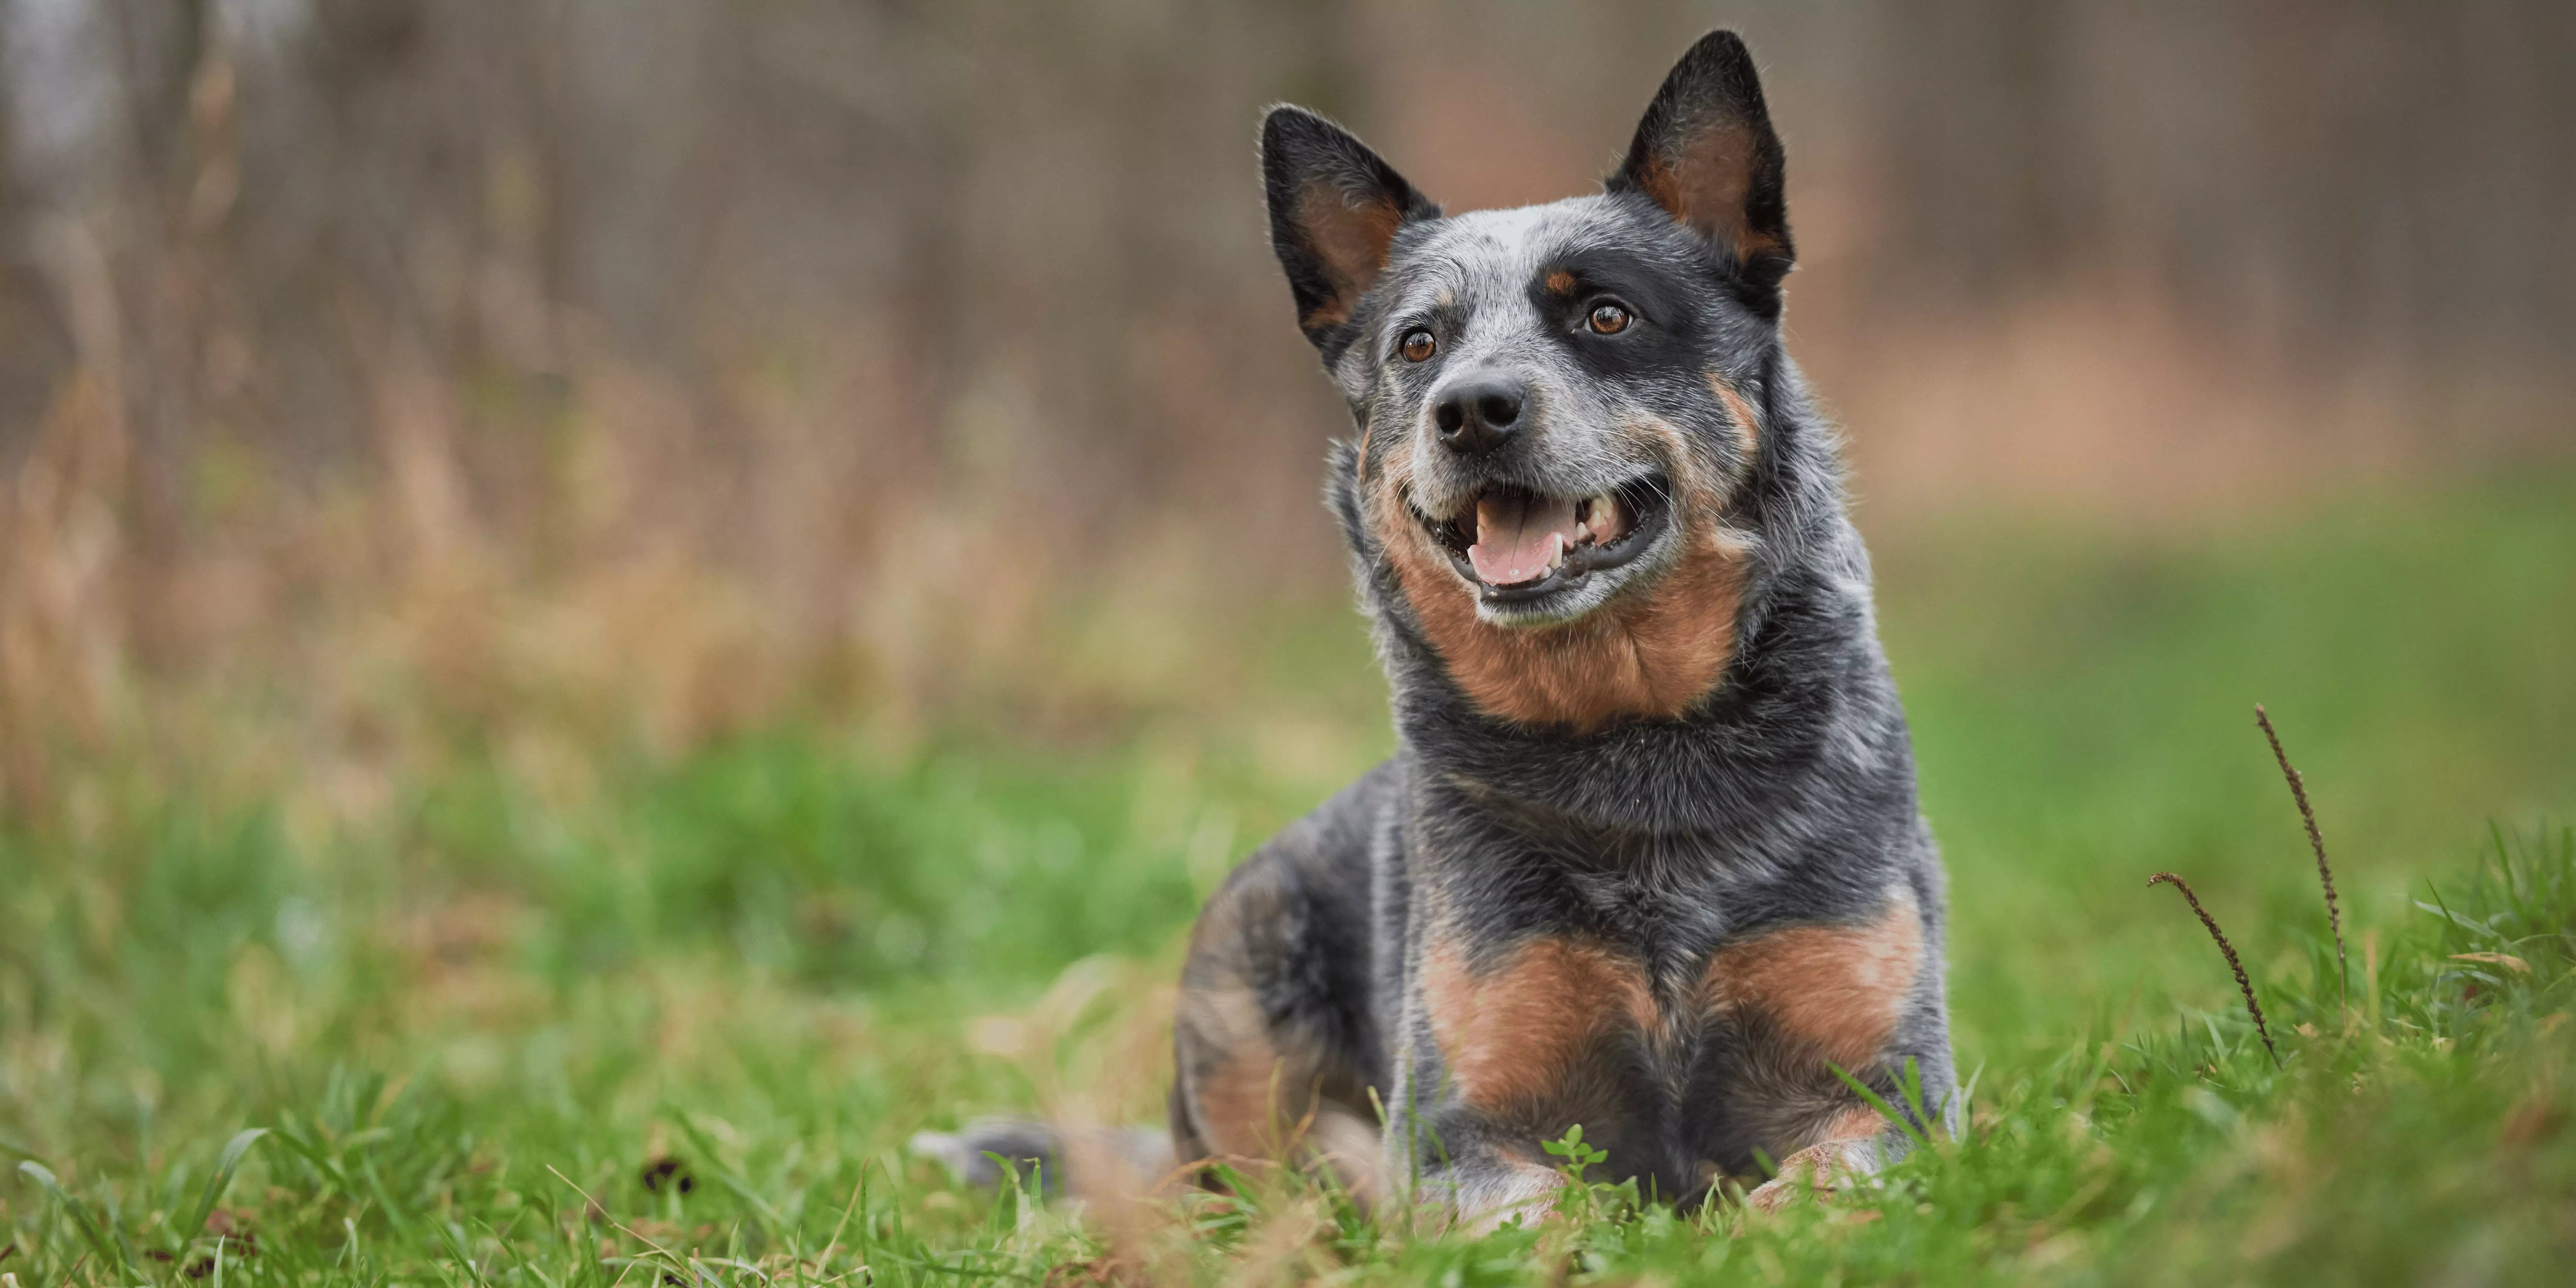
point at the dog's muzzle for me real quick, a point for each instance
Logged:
(1516, 544)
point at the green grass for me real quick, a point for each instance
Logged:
(472, 1022)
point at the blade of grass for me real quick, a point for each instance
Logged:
(1879, 1103)
(226, 1163)
(456, 1248)
(107, 1250)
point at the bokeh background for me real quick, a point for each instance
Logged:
(607, 550)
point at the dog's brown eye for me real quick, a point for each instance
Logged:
(1609, 319)
(1418, 345)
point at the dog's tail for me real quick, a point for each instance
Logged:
(1088, 1162)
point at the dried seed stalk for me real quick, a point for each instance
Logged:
(2245, 985)
(2325, 870)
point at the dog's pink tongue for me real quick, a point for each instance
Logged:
(1516, 536)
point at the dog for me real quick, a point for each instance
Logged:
(1649, 859)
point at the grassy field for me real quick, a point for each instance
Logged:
(544, 1023)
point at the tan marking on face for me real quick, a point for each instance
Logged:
(1650, 653)
(1560, 282)
(1509, 1036)
(1837, 989)
(1352, 241)
(1748, 431)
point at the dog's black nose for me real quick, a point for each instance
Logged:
(1480, 413)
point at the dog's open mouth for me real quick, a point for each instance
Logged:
(1515, 544)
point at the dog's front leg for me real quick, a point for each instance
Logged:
(1840, 1140)
(1489, 1197)
(1511, 1045)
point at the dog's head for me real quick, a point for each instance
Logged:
(1557, 403)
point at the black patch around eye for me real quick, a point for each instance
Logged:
(1666, 312)
(1648, 287)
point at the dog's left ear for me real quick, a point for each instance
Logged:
(1705, 152)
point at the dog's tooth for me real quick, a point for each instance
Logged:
(1555, 551)
(1603, 523)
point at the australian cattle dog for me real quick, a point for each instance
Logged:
(1648, 859)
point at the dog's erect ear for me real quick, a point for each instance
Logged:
(1334, 211)
(1706, 154)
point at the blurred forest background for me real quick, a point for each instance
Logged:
(385, 375)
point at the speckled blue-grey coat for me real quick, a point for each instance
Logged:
(1649, 859)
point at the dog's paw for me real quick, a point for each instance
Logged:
(1818, 1170)
(1781, 1191)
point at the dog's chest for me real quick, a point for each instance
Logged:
(1653, 1004)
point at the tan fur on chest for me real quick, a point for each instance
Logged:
(1509, 1035)
(1838, 990)
(1514, 1033)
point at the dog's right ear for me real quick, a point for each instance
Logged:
(1335, 207)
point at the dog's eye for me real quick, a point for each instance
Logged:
(1609, 319)
(1418, 345)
